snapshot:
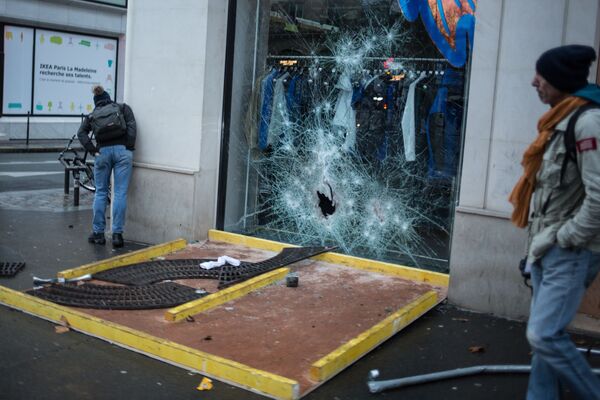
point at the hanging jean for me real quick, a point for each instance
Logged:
(293, 97)
(559, 281)
(443, 127)
(266, 108)
(120, 160)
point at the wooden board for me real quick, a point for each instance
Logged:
(279, 341)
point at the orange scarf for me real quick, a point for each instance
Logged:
(520, 197)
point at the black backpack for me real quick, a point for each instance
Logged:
(570, 145)
(108, 122)
(569, 136)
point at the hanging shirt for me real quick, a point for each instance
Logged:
(345, 116)
(408, 121)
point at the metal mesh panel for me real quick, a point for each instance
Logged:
(9, 269)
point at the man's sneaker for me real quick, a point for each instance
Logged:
(117, 240)
(97, 238)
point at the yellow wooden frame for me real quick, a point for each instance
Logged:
(219, 368)
(124, 259)
(216, 367)
(354, 349)
(434, 278)
(223, 296)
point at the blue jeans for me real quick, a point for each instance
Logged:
(559, 281)
(120, 160)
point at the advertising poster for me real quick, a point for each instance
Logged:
(18, 61)
(67, 66)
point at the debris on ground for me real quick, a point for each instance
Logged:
(61, 329)
(10, 269)
(477, 349)
(205, 384)
(63, 321)
(460, 319)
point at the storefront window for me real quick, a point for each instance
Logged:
(345, 128)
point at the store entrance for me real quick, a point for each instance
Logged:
(346, 130)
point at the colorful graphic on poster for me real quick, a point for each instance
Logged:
(65, 74)
(450, 24)
(18, 63)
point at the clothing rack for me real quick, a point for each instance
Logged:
(408, 59)
(424, 64)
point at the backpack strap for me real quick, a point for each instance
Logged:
(569, 137)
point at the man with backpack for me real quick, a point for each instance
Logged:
(562, 177)
(114, 128)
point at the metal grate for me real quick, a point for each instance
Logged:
(10, 269)
(161, 295)
(231, 275)
(155, 271)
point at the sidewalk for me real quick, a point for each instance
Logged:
(36, 145)
(37, 359)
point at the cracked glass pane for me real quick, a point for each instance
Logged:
(346, 126)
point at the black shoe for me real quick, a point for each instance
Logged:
(117, 240)
(97, 238)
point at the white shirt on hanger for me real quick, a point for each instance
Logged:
(408, 121)
(345, 116)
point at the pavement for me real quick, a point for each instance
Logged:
(41, 227)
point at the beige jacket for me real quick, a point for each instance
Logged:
(567, 213)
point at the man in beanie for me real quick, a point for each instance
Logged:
(562, 182)
(114, 128)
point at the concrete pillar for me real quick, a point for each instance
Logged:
(503, 110)
(174, 76)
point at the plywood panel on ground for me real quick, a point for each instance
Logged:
(298, 337)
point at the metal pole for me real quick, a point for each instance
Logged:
(67, 180)
(27, 138)
(590, 351)
(380, 386)
(75, 188)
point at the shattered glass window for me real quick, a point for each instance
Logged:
(345, 130)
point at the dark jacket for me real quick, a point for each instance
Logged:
(127, 140)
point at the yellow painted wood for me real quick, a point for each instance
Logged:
(125, 259)
(402, 271)
(216, 367)
(235, 238)
(223, 296)
(352, 350)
